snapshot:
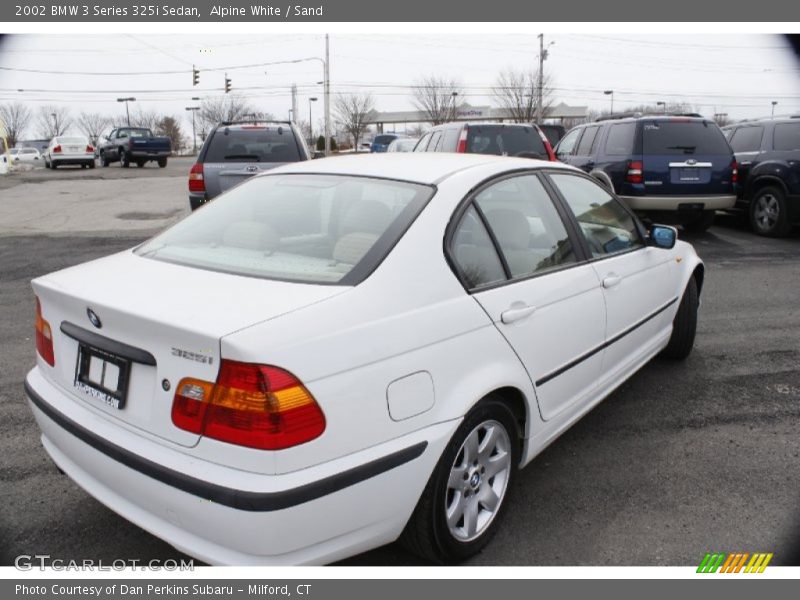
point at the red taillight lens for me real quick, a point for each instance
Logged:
(44, 337)
(196, 181)
(89, 148)
(462, 140)
(57, 149)
(734, 171)
(257, 406)
(634, 174)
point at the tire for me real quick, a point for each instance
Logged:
(53, 165)
(162, 162)
(104, 160)
(124, 160)
(91, 165)
(140, 163)
(46, 164)
(458, 481)
(768, 212)
(701, 223)
(84, 165)
(684, 326)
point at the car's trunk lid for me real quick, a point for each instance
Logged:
(175, 315)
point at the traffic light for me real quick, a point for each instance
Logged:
(227, 84)
(195, 76)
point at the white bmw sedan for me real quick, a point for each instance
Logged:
(340, 353)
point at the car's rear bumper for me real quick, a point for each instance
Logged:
(227, 516)
(698, 202)
(196, 200)
(148, 154)
(72, 159)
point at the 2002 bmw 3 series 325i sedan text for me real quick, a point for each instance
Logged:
(344, 352)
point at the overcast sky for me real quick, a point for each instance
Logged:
(736, 74)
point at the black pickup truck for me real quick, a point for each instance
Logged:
(134, 145)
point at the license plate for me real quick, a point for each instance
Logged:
(689, 175)
(102, 376)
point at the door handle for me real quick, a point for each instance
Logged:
(519, 311)
(611, 281)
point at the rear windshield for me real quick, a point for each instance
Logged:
(68, 140)
(505, 140)
(321, 229)
(137, 133)
(384, 139)
(274, 144)
(683, 137)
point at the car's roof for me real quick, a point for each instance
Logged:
(420, 167)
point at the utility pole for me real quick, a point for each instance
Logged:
(327, 86)
(540, 83)
(127, 112)
(294, 102)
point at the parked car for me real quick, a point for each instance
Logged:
(768, 154)
(553, 132)
(257, 385)
(506, 139)
(234, 151)
(402, 145)
(673, 168)
(26, 155)
(134, 145)
(380, 143)
(69, 150)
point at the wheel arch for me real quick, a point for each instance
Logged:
(699, 275)
(763, 181)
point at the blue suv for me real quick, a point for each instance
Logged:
(669, 168)
(382, 140)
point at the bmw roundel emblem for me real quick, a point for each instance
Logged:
(95, 320)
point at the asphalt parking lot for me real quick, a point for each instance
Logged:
(685, 458)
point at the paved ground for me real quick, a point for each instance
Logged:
(683, 459)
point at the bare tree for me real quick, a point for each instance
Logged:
(517, 92)
(53, 121)
(170, 127)
(352, 112)
(436, 98)
(145, 118)
(230, 107)
(92, 125)
(14, 119)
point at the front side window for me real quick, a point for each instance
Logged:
(526, 225)
(567, 144)
(422, 145)
(606, 225)
(301, 227)
(787, 136)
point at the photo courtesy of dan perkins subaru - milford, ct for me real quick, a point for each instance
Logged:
(340, 353)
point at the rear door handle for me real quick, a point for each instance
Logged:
(519, 311)
(611, 281)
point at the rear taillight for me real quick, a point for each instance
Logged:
(90, 148)
(257, 406)
(734, 171)
(634, 172)
(462, 140)
(57, 149)
(196, 181)
(44, 337)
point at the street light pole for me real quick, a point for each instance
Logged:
(127, 112)
(611, 92)
(774, 102)
(664, 104)
(327, 85)
(194, 109)
(453, 95)
(311, 121)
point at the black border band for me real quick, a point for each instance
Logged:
(604, 345)
(238, 499)
(101, 342)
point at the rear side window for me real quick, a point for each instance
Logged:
(620, 139)
(449, 141)
(787, 136)
(474, 254)
(505, 140)
(587, 141)
(303, 228)
(674, 138)
(747, 139)
(253, 145)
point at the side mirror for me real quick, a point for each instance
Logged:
(662, 236)
(318, 154)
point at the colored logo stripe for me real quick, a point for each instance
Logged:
(733, 563)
